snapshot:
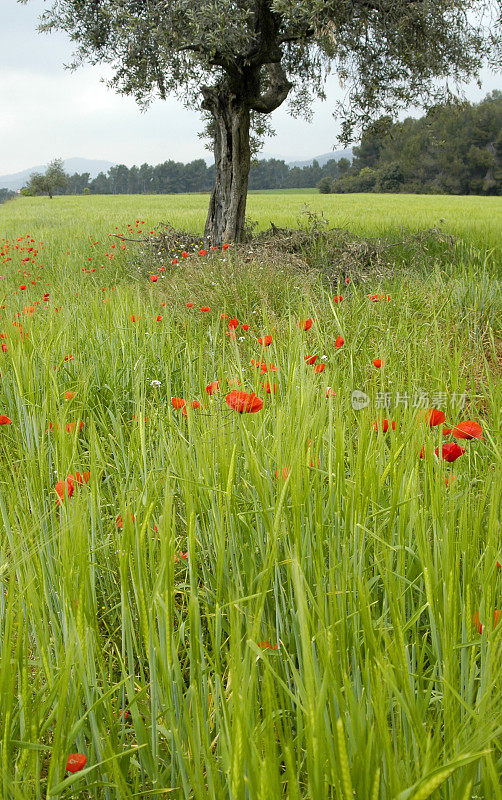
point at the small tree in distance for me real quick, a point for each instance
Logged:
(324, 186)
(238, 60)
(54, 178)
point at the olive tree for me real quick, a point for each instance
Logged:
(54, 178)
(238, 60)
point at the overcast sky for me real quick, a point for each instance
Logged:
(49, 112)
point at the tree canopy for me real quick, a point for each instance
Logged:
(240, 59)
(48, 183)
(453, 149)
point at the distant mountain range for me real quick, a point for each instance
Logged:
(322, 160)
(19, 179)
(71, 165)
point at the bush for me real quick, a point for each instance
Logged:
(324, 186)
(390, 177)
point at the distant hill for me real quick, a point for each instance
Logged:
(322, 160)
(71, 165)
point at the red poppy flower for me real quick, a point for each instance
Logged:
(4, 420)
(266, 645)
(339, 342)
(270, 388)
(434, 417)
(378, 362)
(330, 392)
(76, 762)
(264, 367)
(225, 246)
(174, 261)
(499, 565)
(120, 521)
(82, 478)
(22, 287)
(213, 387)
(193, 404)
(466, 430)
(178, 402)
(284, 472)
(4, 348)
(245, 327)
(337, 298)
(305, 324)
(243, 402)
(385, 425)
(69, 395)
(233, 323)
(376, 297)
(181, 555)
(310, 359)
(159, 317)
(203, 252)
(71, 426)
(65, 488)
(476, 621)
(448, 479)
(154, 278)
(189, 305)
(450, 452)
(265, 341)
(319, 367)
(184, 254)
(205, 308)
(224, 315)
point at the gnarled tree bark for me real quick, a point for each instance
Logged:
(232, 158)
(231, 109)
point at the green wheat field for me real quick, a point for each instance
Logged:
(297, 601)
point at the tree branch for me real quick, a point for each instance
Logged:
(276, 94)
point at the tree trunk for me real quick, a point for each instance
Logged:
(232, 158)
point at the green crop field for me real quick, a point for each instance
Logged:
(250, 541)
(478, 220)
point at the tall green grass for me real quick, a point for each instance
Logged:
(358, 563)
(477, 220)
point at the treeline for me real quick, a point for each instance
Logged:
(6, 194)
(453, 149)
(173, 177)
